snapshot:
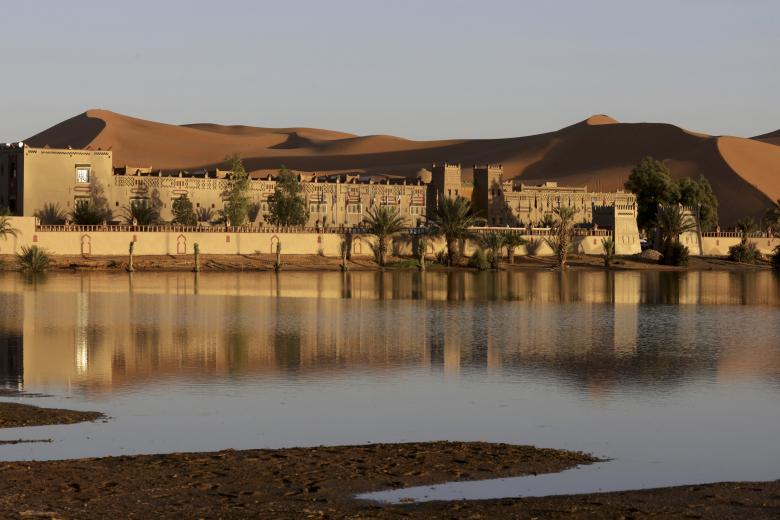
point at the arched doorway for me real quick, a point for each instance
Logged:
(86, 245)
(181, 245)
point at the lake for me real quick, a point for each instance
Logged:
(675, 377)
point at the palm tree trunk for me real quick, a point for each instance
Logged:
(563, 250)
(510, 255)
(452, 246)
(382, 250)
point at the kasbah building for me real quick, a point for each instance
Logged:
(32, 177)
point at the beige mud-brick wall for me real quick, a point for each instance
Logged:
(719, 246)
(100, 242)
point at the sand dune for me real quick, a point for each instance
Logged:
(771, 137)
(598, 152)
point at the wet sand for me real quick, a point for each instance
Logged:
(321, 482)
(15, 415)
(265, 262)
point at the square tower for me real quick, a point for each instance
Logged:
(445, 182)
(488, 198)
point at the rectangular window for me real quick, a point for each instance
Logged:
(82, 174)
(354, 208)
(80, 201)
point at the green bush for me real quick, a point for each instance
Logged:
(33, 259)
(479, 260)
(747, 253)
(441, 257)
(776, 258)
(675, 254)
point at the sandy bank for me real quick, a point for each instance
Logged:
(320, 483)
(16, 415)
(265, 262)
(287, 483)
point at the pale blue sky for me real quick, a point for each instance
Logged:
(419, 69)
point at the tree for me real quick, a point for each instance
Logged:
(608, 243)
(746, 227)
(652, 184)
(383, 222)
(287, 206)
(236, 195)
(772, 217)
(512, 241)
(563, 229)
(673, 222)
(494, 242)
(699, 193)
(51, 214)
(253, 210)
(452, 219)
(183, 212)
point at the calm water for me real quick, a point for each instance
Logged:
(675, 376)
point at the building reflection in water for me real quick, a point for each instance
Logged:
(593, 330)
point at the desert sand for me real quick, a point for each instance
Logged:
(598, 152)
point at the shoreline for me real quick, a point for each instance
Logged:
(317, 263)
(321, 482)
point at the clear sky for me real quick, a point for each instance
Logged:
(421, 68)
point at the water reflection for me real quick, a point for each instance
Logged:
(590, 330)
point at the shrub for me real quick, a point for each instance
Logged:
(33, 259)
(776, 258)
(86, 214)
(675, 254)
(51, 214)
(205, 214)
(479, 260)
(745, 252)
(441, 257)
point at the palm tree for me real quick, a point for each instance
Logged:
(493, 241)
(563, 229)
(6, 228)
(512, 241)
(746, 227)
(141, 214)
(672, 222)
(383, 222)
(452, 219)
(51, 214)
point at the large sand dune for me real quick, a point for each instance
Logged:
(771, 137)
(598, 152)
